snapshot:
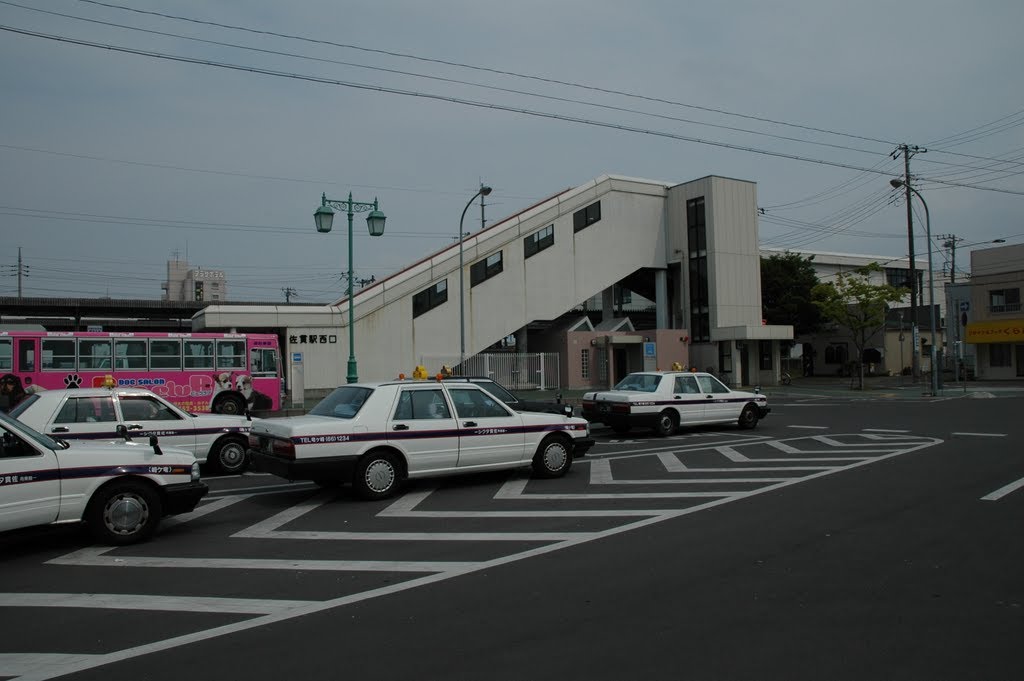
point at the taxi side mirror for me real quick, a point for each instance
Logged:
(122, 430)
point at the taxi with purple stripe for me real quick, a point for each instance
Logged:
(376, 435)
(120, 490)
(665, 401)
(218, 440)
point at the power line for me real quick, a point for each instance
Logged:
(453, 100)
(484, 69)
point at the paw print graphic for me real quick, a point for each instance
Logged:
(73, 381)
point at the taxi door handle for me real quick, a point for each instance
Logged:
(469, 424)
(400, 426)
(60, 429)
(134, 426)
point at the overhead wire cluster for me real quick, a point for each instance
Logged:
(859, 196)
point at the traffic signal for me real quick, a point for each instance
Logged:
(199, 290)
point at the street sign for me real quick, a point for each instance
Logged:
(965, 306)
(296, 358)
(649, 350)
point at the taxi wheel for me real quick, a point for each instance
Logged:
(229, 455)
(667, 423)
(748, 417)
(124, 512)
(553, 458)
(377, 475)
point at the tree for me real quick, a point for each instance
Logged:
(858, 306)
(787, 280)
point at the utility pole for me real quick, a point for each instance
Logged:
(20, 270)
(288, 292)
(909, 150)
(950, 241)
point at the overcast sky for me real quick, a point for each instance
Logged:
(114, 161)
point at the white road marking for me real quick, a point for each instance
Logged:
(1003, 491)
(95, 557)
(884, 430)
(601, 474)
(43, 667)
(810, 427)
(982, 434)
(148, 602)
(674, 465)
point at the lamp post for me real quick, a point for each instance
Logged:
(931, 280)
(483, 191)
(324, 217)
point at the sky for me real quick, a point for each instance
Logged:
(135, 133)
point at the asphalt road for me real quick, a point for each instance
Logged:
(842, 539)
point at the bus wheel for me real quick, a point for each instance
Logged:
(232, 404)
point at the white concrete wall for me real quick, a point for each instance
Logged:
(635, 231)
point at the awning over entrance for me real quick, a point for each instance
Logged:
(1006, 331)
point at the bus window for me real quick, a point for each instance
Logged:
(26, 354)
(231, 354)
(130, 354)
(165, 354)
(199, 354)
(93, 353)
(58, 353)
(263, 362)
(6, 355)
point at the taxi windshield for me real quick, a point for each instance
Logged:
(344, 403)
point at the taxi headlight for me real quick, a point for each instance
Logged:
(195, 471)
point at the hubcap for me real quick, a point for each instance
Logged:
(232, 456)
(554, 457)
(380, 475)
(125, 514)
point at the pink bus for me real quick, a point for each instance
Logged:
(225, 373)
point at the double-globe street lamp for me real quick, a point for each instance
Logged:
(931, 284)
(324, 217)
(484, 191)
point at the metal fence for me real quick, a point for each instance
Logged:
(514, 370)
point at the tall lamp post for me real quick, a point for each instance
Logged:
(324, 217)
(484, 191)
(931, 281)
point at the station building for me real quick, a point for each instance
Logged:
(691, 248)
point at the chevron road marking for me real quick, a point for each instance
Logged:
(41, 667)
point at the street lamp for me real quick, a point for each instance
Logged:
(931, 280)
(324, 217)
(484, 191)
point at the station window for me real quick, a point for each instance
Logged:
(585, 217)
(483, 270)
(538, 241)
(428, 299)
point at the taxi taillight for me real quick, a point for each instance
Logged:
(272, 445)
(283, 448)
(620, 407)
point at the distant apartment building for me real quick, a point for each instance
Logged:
(992, 318)
(186, 283)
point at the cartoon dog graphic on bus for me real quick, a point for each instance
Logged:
(241, 384)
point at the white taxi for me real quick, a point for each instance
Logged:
(120, 489)
(96, 413)
(374, 435)
(666, 400)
